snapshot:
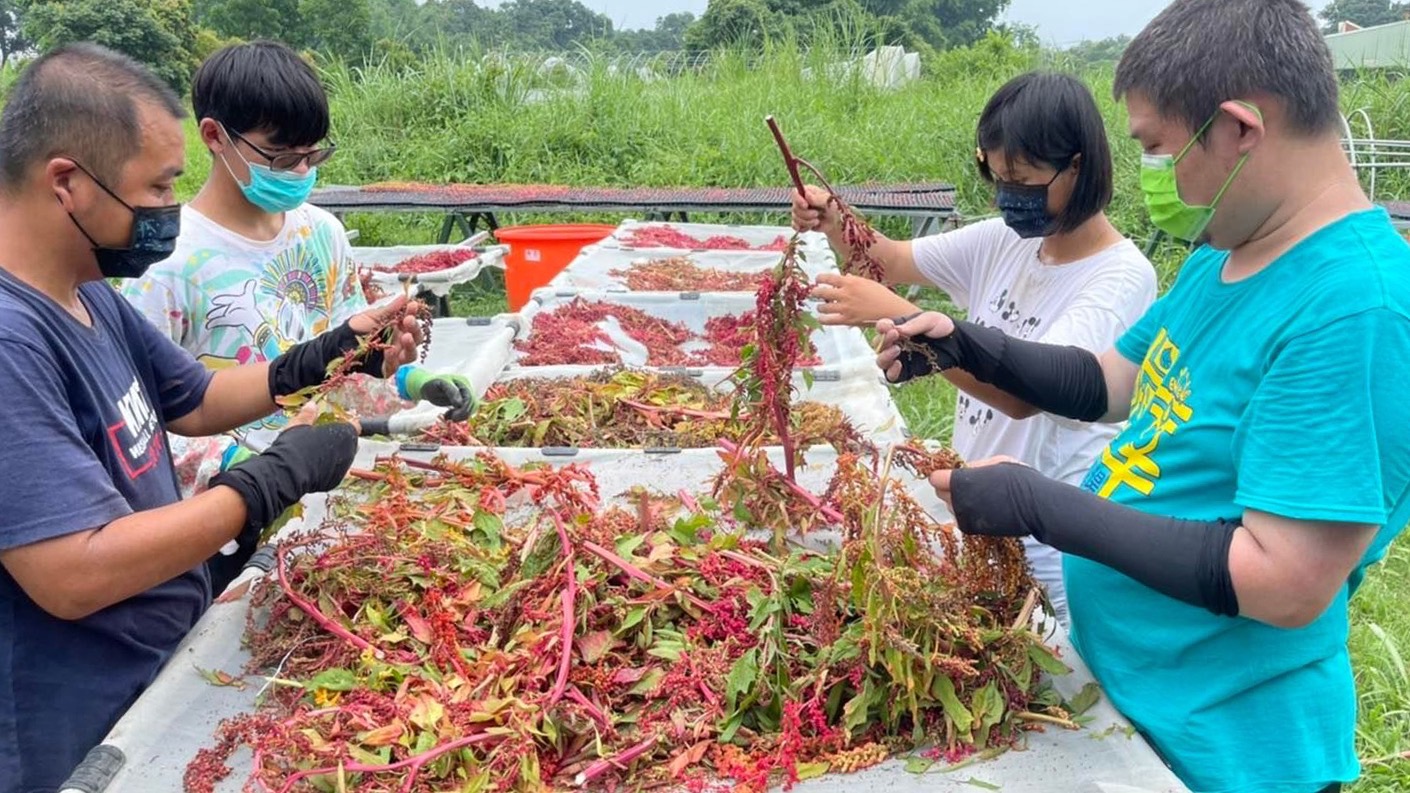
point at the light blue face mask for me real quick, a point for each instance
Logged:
(271, 190)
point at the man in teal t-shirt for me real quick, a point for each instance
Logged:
(1213, 547)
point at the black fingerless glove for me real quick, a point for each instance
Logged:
(1185, 559)
(1062, 380)
(301, 460)
(305, 365)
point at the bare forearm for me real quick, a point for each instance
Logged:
(1286, 572)
(895, 256)
(995, 397)
(235, 397)
(128, 556)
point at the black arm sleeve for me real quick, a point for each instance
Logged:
(306, 364)
(1065, 381)
(1185, 559)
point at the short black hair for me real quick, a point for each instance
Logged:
(262, 86)
(1198, 54)
(1045, 118)
(79, 101)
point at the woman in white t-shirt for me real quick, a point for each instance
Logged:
(1051, 269)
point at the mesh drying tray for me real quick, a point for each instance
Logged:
(836, 346)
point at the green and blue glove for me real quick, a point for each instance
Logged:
(443, 390)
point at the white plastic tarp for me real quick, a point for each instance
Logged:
(603, 268)
(835, 345)
(179, 713)
(437, 283)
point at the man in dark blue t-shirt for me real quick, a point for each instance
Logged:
(101, 564)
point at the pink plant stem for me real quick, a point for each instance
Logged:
(319, 617)
(601, 767)
(832, 515)
(569, 615)
(633, 571)
(588, 705)
(684, 411)
(688, 501)
(414, 763)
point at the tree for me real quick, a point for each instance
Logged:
(340, 28)
(279, 20)
(1366, 13)
(159, 33)
(734, 22)
(1108, 50)
(553, 24)
(12, 39)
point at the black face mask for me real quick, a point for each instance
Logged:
(1025, 206)
(154, 232)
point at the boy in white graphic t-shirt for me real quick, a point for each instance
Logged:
(1052, 269)
(257, 269)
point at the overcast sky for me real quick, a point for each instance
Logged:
(1058, 22)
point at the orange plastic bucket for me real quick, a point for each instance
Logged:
(538, 253)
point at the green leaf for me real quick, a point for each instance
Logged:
(807, 771)
(1046, 661)
(854, 713)
(981, 784)
(742, 676)
(634, 616)
(731, 726)
(628, 544)
(668, 652)
(944, 690)
(513, 408)
(915, 764)
(332, 680)
(425, 742)
(741, 513)
(988, 709)
(648, 683)
(1085, 699)
(490, 526)
(808, 379)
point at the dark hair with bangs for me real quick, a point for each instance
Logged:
(1044, 118)
(262, 86)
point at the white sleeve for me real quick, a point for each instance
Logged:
(1106, 307)
(953, 260)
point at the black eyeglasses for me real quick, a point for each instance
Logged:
(288, 161)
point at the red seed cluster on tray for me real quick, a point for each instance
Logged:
(433, 262)
(667, 237)
(573, 334)
(679, 274)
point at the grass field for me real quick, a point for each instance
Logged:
(456, 119)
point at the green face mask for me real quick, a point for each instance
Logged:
(1168, 210)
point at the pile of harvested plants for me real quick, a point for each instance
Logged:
(473, 626)
(620, 409)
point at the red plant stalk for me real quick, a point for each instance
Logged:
(588, 705)
(319, 617)
(569, 620)
(601, 767)
(832, 515)
(633, 571)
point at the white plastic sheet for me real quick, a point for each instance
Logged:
(601, 267)
(836, 346)
(437, 283)
(477, 348)
(179, 713)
